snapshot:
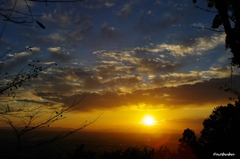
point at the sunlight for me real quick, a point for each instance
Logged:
(148, 120)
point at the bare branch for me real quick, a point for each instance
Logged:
(63, 135)
(207, 10)
(203, 28)
(15, 11)
(214, 12)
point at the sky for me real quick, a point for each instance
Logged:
(130, 58)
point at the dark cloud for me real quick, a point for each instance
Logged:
(60, 54)
(125, 11)
(108, 71)
(108, 32)
(74, 37)
(127, 8)
(61, 83)
(37, 102)
(158, 66)
(136, 71)
(176, 79)
(91, 83)
(4, 42)
(64, 17)
(72, 27)
(99, 4)
(66, 37)
(123, 82)
(205, 93)
(17, 61)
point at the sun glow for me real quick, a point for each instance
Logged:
(148, 120)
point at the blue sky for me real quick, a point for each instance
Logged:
(127, 53)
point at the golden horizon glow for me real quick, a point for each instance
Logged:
(148, 120)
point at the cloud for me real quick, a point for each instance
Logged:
(155, 65)
(219, 72)
(202, 94)
(72, 38)
(81, 25)
(115, 88)
(16, 60)
(141, 59)
(56, 37)
(99, 4)
(60, 54)
(125, 11)
(108, 32)
(46, 103)
(208, 43)
(147, 25)
(21, 54)
(108, 4)
(62, 80)
(64, 17)
(35, 49)
(131, 63)
(54, 49)
(176, 50)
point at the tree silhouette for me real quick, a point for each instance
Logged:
(23, 119)
(228, 15)
(221, 130)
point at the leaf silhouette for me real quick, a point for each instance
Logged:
(217, 21)
(40, 24)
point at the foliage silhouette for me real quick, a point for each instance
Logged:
(228, 15)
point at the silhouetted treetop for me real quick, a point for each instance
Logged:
(188, 145)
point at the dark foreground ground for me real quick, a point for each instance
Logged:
(98, 142)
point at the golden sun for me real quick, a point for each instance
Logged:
(148, 120)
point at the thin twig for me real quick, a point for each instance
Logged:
(219, 31)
